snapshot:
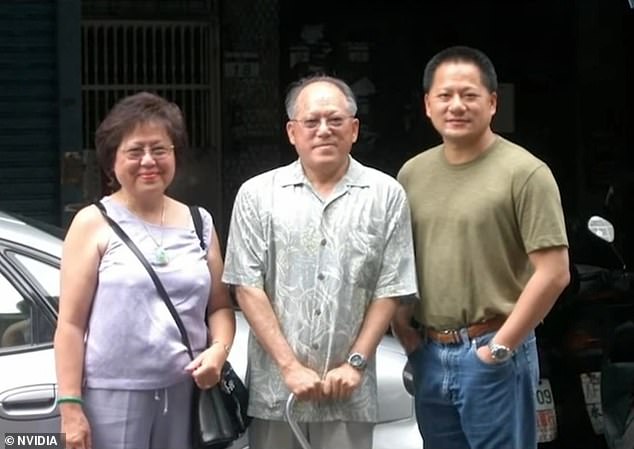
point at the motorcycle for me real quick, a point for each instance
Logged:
(576, 345)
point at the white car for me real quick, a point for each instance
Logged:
(29, 292)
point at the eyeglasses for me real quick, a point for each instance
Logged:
(157, 152)
(332, 122)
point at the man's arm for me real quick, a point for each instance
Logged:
(551, 276)
(403, 252)
(245, 267)
(303, 382)
(341, 381)
(402, 327)
(375, 324)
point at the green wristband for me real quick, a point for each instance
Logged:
(70, 399)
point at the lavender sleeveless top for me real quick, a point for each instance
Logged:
(132, 341)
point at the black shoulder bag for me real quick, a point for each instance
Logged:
(219, 413)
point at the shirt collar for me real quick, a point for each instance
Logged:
(293, 174)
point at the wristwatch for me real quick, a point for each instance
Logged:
(357, 361)
(500, 353)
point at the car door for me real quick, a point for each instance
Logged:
(29, 290)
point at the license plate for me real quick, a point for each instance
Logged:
(546, 416)
(591, 385)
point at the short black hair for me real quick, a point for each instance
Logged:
(461, 53)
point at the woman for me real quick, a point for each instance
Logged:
(125, 378)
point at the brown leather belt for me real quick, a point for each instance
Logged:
(453, 336)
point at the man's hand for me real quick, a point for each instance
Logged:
(303, 382)
(341, 382)
(484, 354)
(401, 327)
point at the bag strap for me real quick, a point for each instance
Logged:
(157, 282)
(198, 225)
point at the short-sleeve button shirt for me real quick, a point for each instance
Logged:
(321, 264)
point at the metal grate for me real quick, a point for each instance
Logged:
(178, 60)
(252, 96)
(148, 8)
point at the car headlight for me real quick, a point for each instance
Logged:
(408, 378)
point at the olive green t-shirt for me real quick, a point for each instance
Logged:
(474, 225)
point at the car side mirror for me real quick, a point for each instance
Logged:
(602, 228)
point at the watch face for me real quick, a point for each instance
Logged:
(356, 360)
(500, 353)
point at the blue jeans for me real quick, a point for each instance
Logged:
(465, 403)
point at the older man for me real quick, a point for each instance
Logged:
(320, 252)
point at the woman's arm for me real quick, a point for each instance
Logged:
(206, 367)
(81, 254)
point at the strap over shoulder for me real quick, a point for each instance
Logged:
(198, 224)
(157, 281)
(100, 206)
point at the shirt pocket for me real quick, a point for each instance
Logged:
(362, 259)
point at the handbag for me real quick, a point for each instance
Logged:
(219, 413)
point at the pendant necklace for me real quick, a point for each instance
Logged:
(159, 258)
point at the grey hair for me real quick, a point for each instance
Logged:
(296, 88)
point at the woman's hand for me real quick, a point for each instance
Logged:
(207, 367)
(75, 426)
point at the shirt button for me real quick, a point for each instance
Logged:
(323, 242)
(317, 312)
(320, 276)
(315, 346)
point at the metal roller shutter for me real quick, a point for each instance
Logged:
(29, 155)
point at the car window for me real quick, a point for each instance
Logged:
(23, 322)
(47, 276)
(9, 297)
(15, 316)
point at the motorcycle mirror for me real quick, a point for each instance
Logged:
(602, 228)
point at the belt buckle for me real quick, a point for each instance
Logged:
(454, 333)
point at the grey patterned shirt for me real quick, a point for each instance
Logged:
(321, 263)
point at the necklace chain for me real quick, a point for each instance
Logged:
(160, 255)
